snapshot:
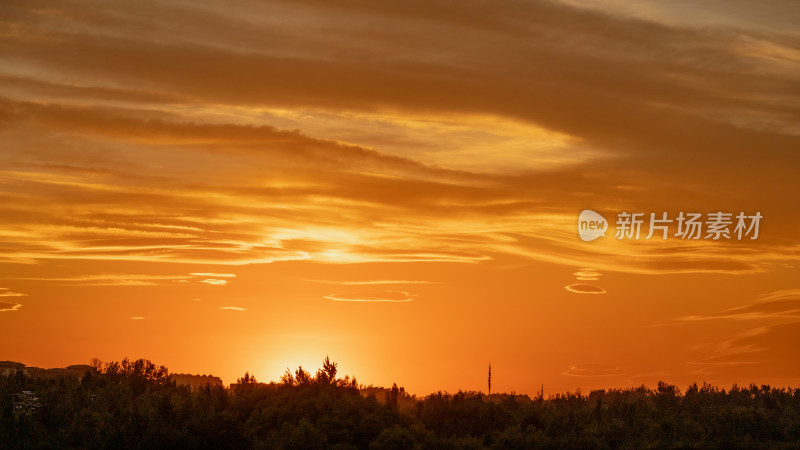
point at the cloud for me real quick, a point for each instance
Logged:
(585, 289)
(593, 370)
(623, 50)
(768, 327)
(587, 275)
(783, 304)
(218, 275)
(7, 306)
(384, 296)
(232, 308)
(771, 349)
(285, 220)
(214, 282)
(138, 318)
(370, 282)
(5, 292)
(379, 135)
(110, 279)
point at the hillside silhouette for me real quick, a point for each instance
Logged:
(138, 405)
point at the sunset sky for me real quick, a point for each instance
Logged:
(245, 185)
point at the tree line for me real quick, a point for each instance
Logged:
(135, 405)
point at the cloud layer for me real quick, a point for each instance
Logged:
(148, 142)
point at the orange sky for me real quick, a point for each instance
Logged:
(255, 185)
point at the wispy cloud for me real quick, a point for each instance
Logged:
(784, 304)
(216, 275)
(6, 292)
(370, 282)
(772, 348)
(769, 327)
(582, 288)
(381, 297)
(128, 279)
(111, 279)
(585, 289)
(7, 306)
(232, 308)
(587, 275)
(593, 370)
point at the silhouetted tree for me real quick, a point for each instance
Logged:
(247, 379)
(287, 378)
(327, 374)
(392, 396)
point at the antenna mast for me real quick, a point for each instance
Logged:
(490, 380)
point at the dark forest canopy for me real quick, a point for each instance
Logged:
(135, 404)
